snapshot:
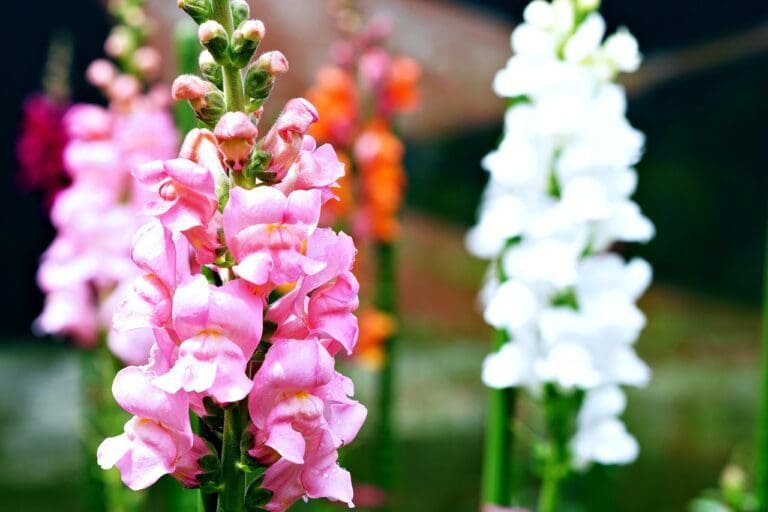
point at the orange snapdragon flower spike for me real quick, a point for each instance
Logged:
(357, 98)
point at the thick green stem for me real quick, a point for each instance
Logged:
(232, 495)
(386, 302)
(233, 80)
(761, 479)
(499, 442)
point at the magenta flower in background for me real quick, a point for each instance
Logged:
(40, 148)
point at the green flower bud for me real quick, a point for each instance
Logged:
(213, 106)
(241, 11)
(210, 70)
(214, 37)
(199, 10)
(260, 77)
(245, 40)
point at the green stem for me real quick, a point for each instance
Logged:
(499, 442)
(232, 496)
(560, 412)
(761, 479)
(233, 80)
(385, 302)
(549, 497)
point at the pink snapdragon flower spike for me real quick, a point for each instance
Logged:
(220, 329)
(186, 195)
(284, 139)
(233, 226)
(265, 230)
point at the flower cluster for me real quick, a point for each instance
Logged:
(558, 199)
(364, 73)
(248, 298)
(358, 97)
(85, 270)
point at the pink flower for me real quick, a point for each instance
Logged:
(70, 312)
(284, 139)
(236, 135)
(301, 411)
(158, 440)
(186, 193)
(323, 304)
(220, 328)
(266, 230)
(316, 168)
(165, 261)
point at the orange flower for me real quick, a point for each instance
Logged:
(376, 327)
(379, 154)
(336, 99)
(401, 89)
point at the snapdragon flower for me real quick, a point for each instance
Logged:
(558, 199)
(249, 300)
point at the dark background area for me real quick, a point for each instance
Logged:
(703, 180)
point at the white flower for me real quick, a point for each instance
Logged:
(623, 51)
(559, 195)
(586, 41)
(601, 436)
(569, 365)
(509, 367)
(512, 307)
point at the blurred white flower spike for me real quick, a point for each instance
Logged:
(558, 199)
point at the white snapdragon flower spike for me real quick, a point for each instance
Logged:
(558, 198)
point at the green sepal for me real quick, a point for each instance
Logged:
(256, 168)
(258, 83)
(214, 415)
(241, 50)
(256, 497)
(210, 475)
(199, 10)
(214, 107)
(211, 275)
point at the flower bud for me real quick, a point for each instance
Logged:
(119, 43)
(124, 88)
(199, 10)
(260, 77)
(210, 70)
(206, 100)
(236, 135)
(148, 61)
(190, 87)
(241, 11)
(245, 40)
(101, 73)
(213, 107)
(214, 37)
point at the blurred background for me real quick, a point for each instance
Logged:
(702, 100)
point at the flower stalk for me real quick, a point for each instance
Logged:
(499, 462)
(761, 479)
